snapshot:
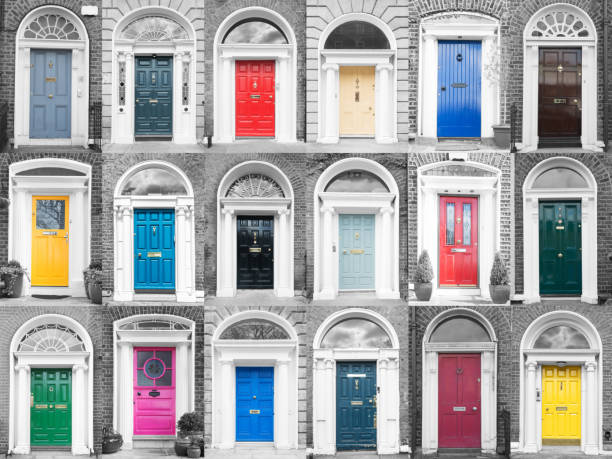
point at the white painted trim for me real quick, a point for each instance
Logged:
(79, 104)
(531, 248)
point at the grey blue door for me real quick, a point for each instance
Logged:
(255, 404)
(154, 257)
(459, 88)
(50, 93)
(356, 405)
(356, 247)
(153, 94)
(255, 252)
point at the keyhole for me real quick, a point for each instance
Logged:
(50, 65)
(561, 385)
(356, 96)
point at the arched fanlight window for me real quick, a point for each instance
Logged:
(356, 180)
(51, 27)
(561, 337)
(357, 35)
(460, 329)
(154, 324)
(356, 333)
(255, 31)
(154, 181)
(154, 28)
(560, 177)
(51, 338)
(254, 329)
(255, 186)
(559, 23)
(50, 171)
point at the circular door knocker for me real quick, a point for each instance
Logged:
(459, 57)
(51, 389)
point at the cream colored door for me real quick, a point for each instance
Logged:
(357, 114)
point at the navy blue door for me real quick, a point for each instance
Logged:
(50, 87)
(254, 404)
(154, 249)
(459, 88)
(355, 405)
(153, 94)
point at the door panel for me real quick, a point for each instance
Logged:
(50, 93)
(458, 241)
(255, 252)
(255, 98)
(154, 390)
(356, 405)
(254, 404)
(561, 405)
(154, 257)
(357, 101)
(356, 252)
(459, 401)
(459, 88)
(153, 94)
(51, 407)
(50, 242)
(560, 248)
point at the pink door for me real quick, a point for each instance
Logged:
(154, 391)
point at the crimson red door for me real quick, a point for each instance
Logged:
(459, 401)
(255, 98)
(458, 241)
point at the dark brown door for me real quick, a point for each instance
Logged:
(560, 96)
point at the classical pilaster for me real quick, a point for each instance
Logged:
(282, 412)
(79, 408)
(591, 437)
(328, 290)
(530, 405)
(23, 403)
(384, 106)
(330, 125)
(227, 405)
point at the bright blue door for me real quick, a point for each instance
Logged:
(154, 249)
(459, 88)
(50, 87)
(153, 93)
(254, 404)
(356, 252)
(355, 405)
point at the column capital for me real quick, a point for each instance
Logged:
(590, 366)
(284, 212)
(327, 67)
(226, 362)
(79, 367)
(329, 363)
(386, 210)
(226, 211)
(283, 362)
(22, 366)
(123, 211)
(328, 209)
(380, 67)
(383, 363)
(124, 344)
(531, 365)
(183, 211)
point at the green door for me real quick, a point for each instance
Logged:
(560, 248)
(51, 407)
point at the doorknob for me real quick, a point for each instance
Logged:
(443, 88)
(560, 255)
(50, 96)
(474, 408)
(139, 255)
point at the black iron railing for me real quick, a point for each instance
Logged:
(513, 127)
(95, 111)
(505, 415)
(3, 125)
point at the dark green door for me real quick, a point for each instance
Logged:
(255, 252)
(560, 248)
(51, 407)
(153, 104)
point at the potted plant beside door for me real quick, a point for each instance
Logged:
(87, 274)
(499, 288)
(190, 431)
(95, 285)
(11, 279)
(497, 71)
(423, 277)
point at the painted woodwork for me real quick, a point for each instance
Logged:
(255, 252)
(357, 101)
(255, 98)
(255, 404)
(356, 252)
(561, 405)
(51, 407)
(153, 96)
(154, 251)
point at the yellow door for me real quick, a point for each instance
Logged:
(560, 405)
(357, 101)
(50, 241)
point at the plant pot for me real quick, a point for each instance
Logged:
(181, 445)
(423, 291)
(87, 289)
(111, 444)
(95, 293)
(500, 294)
(193, 451)
(501, 134)
(17, 285)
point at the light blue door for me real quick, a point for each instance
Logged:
(356, 252)
(254, 404)
(459, 88)
(50, 88)
(154, 249)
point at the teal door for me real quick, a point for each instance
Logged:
(560, 248)
(356, 405)
(154, 266)
(356, 247)
(153, 94)
(51, 407)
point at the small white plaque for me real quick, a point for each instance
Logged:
(89, 10)
(356, 375)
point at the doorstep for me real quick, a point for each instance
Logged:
(32, 301)
(256, 298)
(121, 454)
(254, 452)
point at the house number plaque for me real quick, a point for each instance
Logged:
(254, 412)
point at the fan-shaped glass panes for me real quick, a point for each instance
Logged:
(154, 28)
(359, 181)
(154, 324)
(50, 171)
(51, 27)
(254, 329)
(357, 35)
(255, 31)
(154, 181)
(560, 177)
(51, 338)
(356, 333)
(561, 337)
(460, 329)
(559, 24)
(255, 186)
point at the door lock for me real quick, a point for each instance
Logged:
(560, 255)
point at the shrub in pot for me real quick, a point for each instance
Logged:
(111, 441)
(87, 275)
(423, 277)
(499, 286)
(11, 275)
(95, 286)
(190, 430)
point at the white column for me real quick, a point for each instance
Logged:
(384, 280)
(381, 407)
(124, 288)
(224, 122)
(183, 378)
(488, 407)
(185, 289)
(79, 409)
(384, 105)
(282, 257)
(589, 250)
(227, 281)
(282, 412)
(328, 291)
(531, 267)
(283, 99)
(530, 405)
(589, 98)
(530, 98)
(429, 95)
(228, 432)
(487, 248)
(22, 410)
(392, 406)
(591, 436)
(77, 248)
(330, 104)
(125, 391)
(21, 216)
(329, 389)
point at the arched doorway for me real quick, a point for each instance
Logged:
(561, 381)
(154, 233)
(560, 47)
(459, 389)
(560, 231)
(51, 386)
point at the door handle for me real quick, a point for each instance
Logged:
(66, 236)
(474, 408)
(443, 88)
(560, 255)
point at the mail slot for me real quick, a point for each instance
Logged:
(253, 411)
(458, 250)
(50, 79)
(154, 254)
(459, 85)
(561, 408)
(154, 393)
(153, 101)
(49, 233)
(41, 407)
(255, 96)
(458, 408)
(356, 402)
(560, 227)
(559, 101)
(61, 407)
(357, 251)
(254, 249)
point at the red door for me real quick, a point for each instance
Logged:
(459, 401)
(255, 98)
(458, 241)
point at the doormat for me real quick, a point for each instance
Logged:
(50, 297)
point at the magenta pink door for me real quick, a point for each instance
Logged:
(154, 391)
(459, 401)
